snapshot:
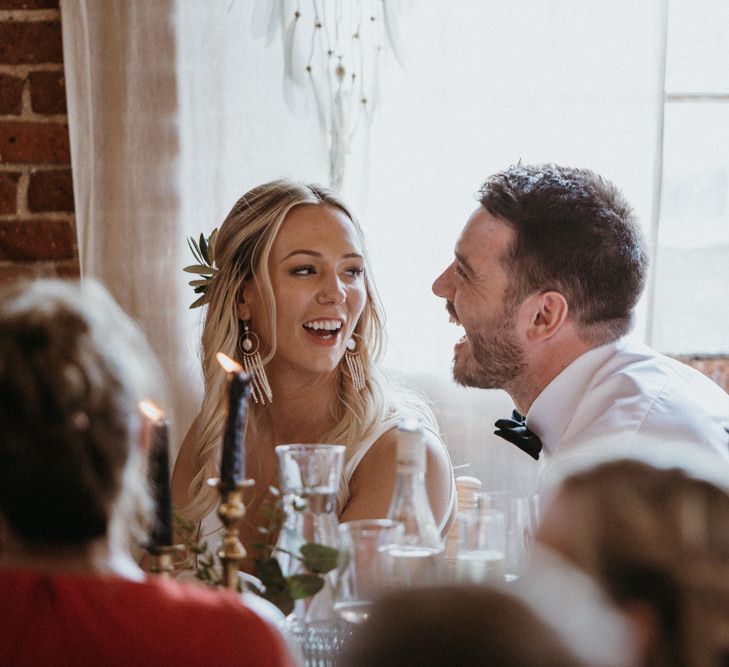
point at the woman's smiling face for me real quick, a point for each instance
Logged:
(316, 266)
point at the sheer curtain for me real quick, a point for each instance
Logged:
(120, 69)
(176, 109)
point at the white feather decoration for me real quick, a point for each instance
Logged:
(333, 51)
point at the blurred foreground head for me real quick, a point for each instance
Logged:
(73, 368)
(653, 529)
(455, 625)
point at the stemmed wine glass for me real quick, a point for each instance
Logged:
(365, 565)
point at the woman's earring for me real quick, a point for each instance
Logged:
(354, 365)
(253, 365)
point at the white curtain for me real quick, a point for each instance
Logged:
(176, 109)
(120, 69)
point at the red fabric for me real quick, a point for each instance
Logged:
(66, 619)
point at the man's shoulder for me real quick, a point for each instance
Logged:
(637, 394)
(638, 368)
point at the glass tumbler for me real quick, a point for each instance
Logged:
(521, 516)
(365, 565)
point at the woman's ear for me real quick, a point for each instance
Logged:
(548, 312)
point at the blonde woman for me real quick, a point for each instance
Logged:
(293, 301)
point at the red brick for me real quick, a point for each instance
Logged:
(10, 273)
(30, 42)
(47, 92)
(714, 367)
(28, 4)
(50, 191)
(34, 143)
(9, 192)
(37, 240)
(67, 269)
(11, 94)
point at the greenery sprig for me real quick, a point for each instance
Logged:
(202, 561)
(203, 250)
(317, 559)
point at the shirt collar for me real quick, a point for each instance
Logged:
(552, 410)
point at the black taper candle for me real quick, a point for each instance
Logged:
(159, 475)
(232, 465)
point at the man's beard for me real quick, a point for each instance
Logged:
(496, 358)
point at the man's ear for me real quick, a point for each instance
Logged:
(548, 312)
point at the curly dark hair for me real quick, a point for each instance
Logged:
(576, 234)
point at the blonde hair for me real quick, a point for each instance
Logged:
(242, 250)
(658, 535)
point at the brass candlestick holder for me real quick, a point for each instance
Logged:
(162, 562)
(231, 510)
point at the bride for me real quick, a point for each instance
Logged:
(291, 299)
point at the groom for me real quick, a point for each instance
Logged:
(545, 279)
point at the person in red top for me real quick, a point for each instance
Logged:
(73, 368)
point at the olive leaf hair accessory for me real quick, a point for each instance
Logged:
(204, 252)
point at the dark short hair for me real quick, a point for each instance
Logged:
(68, 409)
(576, 234)
(455, 625)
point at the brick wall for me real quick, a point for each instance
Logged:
(37, 228)
(716, 367)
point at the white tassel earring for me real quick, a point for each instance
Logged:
(253, 365)
(354, 365)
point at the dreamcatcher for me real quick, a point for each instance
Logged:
(333, 55)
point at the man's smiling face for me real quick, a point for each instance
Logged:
(475, 286)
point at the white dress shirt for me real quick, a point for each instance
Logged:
(623, 393)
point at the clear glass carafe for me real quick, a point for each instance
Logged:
(309, 477)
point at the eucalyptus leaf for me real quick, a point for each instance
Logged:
(319, 558)
(194, 250)
(199, 302)
(304, 585)
(269, 572)
(199, 268)
(204, 249)
(282, 599)
(211, 245)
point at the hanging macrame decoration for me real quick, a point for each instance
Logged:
(333, 55)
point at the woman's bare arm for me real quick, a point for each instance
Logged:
(373, 481)
(184, 469)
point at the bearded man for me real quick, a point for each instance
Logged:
(546, 276)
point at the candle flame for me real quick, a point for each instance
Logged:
(151, 410)
(228, 364)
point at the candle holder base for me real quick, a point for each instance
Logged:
(162, 561)
(231, 510)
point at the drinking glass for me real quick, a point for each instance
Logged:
(365, 564)
(481, 540)
(309, 477)
(521, 517)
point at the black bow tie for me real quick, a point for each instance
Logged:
(515, 431)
